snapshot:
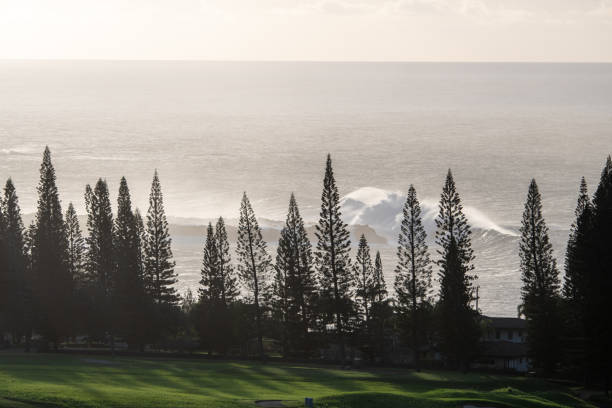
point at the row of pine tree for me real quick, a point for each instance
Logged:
(117, 280)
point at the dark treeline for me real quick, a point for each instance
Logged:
(115, 284)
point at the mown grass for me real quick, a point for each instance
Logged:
(75, 381)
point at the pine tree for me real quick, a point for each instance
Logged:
(100, 264)
(159, 264)
(598, 282)
(577, 255)
(332, 258)
(364, 278)
(142, 237)
(458, 321)
(210, 282)
(279, 303)
(218, 289)
(227, 276)
(100, 261)
(128, 296)
(76, 247)
(5, 281)
(254, 263)
(15, 265)
(295, 282)
(52, 282)
(413, 271)
(380, 287)
(540, 291)
(28, 300)
(381, 313)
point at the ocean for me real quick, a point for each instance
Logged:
(216, 129)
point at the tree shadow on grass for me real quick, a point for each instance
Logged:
(147, 381)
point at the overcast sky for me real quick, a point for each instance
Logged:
(363, 30)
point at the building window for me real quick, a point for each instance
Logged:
(497, 334)
(510, 334)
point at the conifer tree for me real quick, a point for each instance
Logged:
(577, 256)
(76, 246)
(364, 278)
(295, 281)
(279, 303)
(5, 281)
(28, 299)
(100, 262)
(228, 281)
(15, 265)
(381, 313)
(159, 264)
(210, 282)
(458, 320)
(128, 296)
(598, 282)
(413, 271)
(210, 292)
(142, 235)
(332, 257)
(254, 263)
(218, 289)
(540, 291)
(77, 261)
(380, 287)
(14, 229)
(52, 283)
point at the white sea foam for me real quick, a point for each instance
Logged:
(382, 210)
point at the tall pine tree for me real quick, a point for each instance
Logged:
(381, 312)
(211, 288)
(254, 263)
(332, 258)
(52, 282)
(210, 282)
(227, 276)
(296, 281)
(599, 283)
(142, 234)
(380, 287)
(459, 328)
(5, 281)
(160, 276)
(279, 304)
(413, 271)
(577, 258)
(76, 246)
(540, 291)
(100, 261)
(15, 261)
(77, 262)
(364, 278)
(129, 304)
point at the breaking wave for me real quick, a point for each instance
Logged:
(382, 210)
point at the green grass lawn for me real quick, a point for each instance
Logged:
(51, 380)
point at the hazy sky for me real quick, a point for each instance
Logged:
(407, 30)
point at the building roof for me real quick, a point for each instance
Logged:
(506, 322)
(506, 349)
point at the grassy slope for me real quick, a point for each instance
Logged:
(133, 382)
